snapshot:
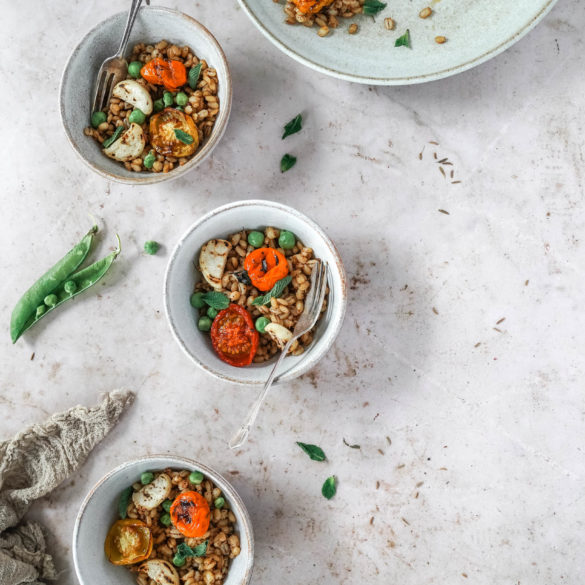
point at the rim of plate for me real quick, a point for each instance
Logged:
(175, 459)
(500, 48)
(213, 140)
(310, 360)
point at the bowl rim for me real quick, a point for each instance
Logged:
(336, 324)
(232, 494)
(219, 127)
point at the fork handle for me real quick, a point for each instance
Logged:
(242, 435)
(134, 7)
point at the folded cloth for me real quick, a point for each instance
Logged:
(32, 464)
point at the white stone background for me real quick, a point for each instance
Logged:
(490, 436)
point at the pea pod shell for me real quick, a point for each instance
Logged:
(84, 279)
(46, 284)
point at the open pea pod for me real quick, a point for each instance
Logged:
(75, 284)
(52, 279)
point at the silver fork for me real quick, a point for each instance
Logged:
(114, 69)
(305, 323)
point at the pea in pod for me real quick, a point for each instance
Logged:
(26, 307)
(82, 280)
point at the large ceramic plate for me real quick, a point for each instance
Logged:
(476, 30)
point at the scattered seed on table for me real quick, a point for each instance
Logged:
(501, 320)
(389, 24)
(323, 31)
(32, 357)
(435, 311)
(425, 12)
(433, 142)
(372, 521)
(381, 452)
(440, 40)
(477, 344)
(405, 521)
(496, 329)
(388, 440)
(442, 172)
(455, 182)
(435, 155)
(352, 29)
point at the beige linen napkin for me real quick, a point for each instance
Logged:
(32, 464)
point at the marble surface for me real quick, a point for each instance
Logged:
(460, 366)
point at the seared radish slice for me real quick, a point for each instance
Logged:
(212, 261)
(281, 335)
(153, 494)
(129, 146)
(133, 93)
(161, 572)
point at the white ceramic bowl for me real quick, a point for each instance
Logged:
(99, 511)
(181, 277)
(151, 26)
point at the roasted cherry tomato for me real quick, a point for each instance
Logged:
(171, 74)
(234, 336)
(265, 267)
(190, 514)
(128, 541)
(311, 6)
(163, 137)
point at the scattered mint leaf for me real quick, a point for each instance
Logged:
(294, 126)
(314, 452)
(372, 7)
(124, 501)
(404, 40)
(329, 487)
(183, 136)
(193, 76)
(109, 141)
(274, 292)
(216, 300)
(287, 162)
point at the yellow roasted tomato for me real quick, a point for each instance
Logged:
(311, 6)
(173, 133)
(128, 541)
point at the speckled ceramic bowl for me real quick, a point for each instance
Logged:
(152, 25)
(181, 278)
(99, 510)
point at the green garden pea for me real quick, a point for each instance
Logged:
(287, 240)
(197, 301)
(146, 478)
(51, 300)
(98, 118)
(134, 69)
(41, 310)
(167, 505)
(151, 247)
(212, 313)
(178, 560)
(219, 503)
(196, 477)
(181, 99)
(204, 323)
(70, 287)
(167, 98)
(256, 239)
(149, 160)
(136, 117)
(165, 519)
(159, 105)
(261, 323)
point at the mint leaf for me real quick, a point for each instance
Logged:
(287, 162)
(294, 126)
(275, 291)
(109, 141)
(329, 488)
(216, 300)
(184, 550)
(372, 7)
(183, 136)
(193, 76)
(404, 40)
(124, 501)
(314, 452)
